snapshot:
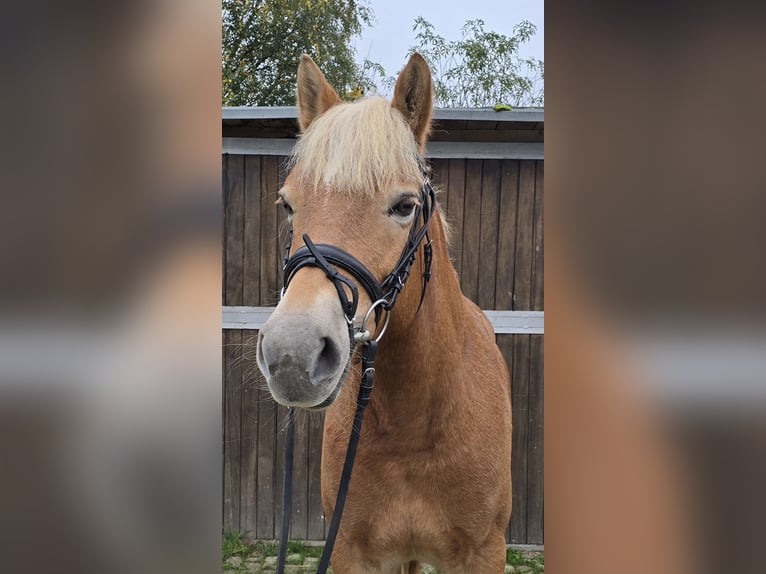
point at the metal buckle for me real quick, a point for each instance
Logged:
(362, 333)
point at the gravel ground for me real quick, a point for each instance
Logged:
(299, 564)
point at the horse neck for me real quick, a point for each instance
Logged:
(422, 343)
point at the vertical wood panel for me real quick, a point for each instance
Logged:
(471, 228)
(232, 380)
(505, 344)
(232, 353)
(538, 266)
(455, 208)
(267, 412)
(506, 238)
(522, 284)
(535, 450)
(299, 521)
(520, 410)
(252, 232)
(234, 228)
(282, 224)
(279, 466)
(522, 295)
(488, 233)
(535, 463)
(266, 488)
(440, 181)
(269, 230)
(251, 376)
(316, 520)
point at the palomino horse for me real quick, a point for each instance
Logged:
(432, 477)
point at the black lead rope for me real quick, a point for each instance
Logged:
(369, 348)
(287, 491)
(362, 399)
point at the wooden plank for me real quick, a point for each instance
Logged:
(252, 232)
(265, 472)
(257, 146)
(440, 181)
(251, 377)
(473, 114)
(434, 149)
(469, 278)
(522, 283)
(535, 457)
(535, 450)
(270, 283)
(233, 260)
(316, 520)
(519, 393)
(279, 466)
(505, 344)
(486, 150)
(513, 322)
(252, 112)
(482, 124)
(455, 210)
(245, 317)
(538, 266)
(477, 135)
(506, 238)
(232, 381)
(234, 229)
(283, 226)
(300, 520)
(488, 233)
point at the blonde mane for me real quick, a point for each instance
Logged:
(357, 148)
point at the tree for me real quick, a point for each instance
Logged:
(482, 68)
(264, 39)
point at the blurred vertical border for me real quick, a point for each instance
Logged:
(110, 321)
(110, 346)
(655, 334)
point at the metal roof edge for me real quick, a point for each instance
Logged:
(468, 114)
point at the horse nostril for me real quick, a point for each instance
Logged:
(261, 359)
(327, 361)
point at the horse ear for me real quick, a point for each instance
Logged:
(413, 96)
(315, 94)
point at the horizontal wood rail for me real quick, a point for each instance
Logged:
(503, 322)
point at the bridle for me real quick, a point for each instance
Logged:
(383, 295)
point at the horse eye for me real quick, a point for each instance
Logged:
(404, 208)
(286, 206)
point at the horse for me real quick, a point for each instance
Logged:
(432, 478)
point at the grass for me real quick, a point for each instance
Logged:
(534, 561)
(234, 546)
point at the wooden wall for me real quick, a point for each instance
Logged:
(495, 208)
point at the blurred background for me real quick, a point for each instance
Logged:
(110, 291)
(110, 287)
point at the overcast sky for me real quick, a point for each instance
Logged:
(391, 35)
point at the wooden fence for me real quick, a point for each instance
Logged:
(495, 207)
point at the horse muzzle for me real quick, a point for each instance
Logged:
(303, 357)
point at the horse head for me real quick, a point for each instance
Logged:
(356, 183)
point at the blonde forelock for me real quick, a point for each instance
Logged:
(357, 148)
